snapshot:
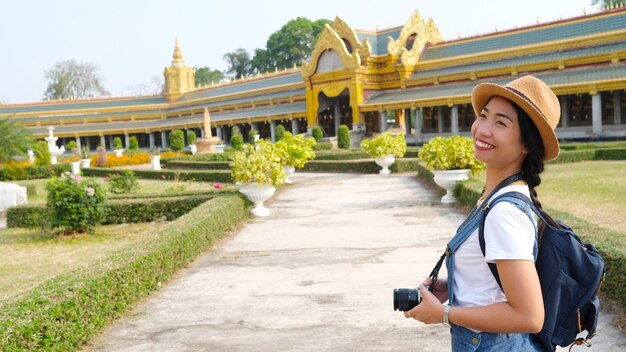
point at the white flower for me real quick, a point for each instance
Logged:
(90, 191)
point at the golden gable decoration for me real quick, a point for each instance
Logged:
(424, 32)
(330, 38)
(346, 32)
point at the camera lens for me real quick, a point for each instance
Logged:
(405, 298)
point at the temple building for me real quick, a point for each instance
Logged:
(405, 79)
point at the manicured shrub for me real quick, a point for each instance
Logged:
(177, 140)
(343, 137)
(71, 145)
(76, 204)
(133, 143)
(117, 143)
(317, 134)
(122, 182)
(13, 171)
(323, 146)
(191, 137)
(279, 133)
(251, 136)
(42, 153)
(236, 141)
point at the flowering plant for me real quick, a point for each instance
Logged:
(450, 153)
(295, 150)
(76, 204)
(260, 164)
(124, 182)
(384, 144)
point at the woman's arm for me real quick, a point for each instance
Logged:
(522, 312)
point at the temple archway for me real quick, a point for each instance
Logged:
(333, 112)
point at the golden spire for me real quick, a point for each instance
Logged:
(177, 55)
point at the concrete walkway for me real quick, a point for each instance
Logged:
(316, 275)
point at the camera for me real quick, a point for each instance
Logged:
(406, 298)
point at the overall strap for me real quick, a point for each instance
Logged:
(510, 196)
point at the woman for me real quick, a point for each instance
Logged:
(513, 135)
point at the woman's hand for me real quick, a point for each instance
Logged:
(429, 311)
(439, 289)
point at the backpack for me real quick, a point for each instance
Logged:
(570, 272)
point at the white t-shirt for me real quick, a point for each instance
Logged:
(509, 234)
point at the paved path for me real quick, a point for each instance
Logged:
(316, 275)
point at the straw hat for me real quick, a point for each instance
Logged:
(534, 97)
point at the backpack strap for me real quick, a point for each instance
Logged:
(511, 197)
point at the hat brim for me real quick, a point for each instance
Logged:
(483, 92)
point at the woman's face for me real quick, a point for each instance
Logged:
(497, 135)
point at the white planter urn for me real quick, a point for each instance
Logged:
(31, 156)
(219, 148)
(75, 167)
(193, 149)
(119, 152)
(85, 163)
(258, 194)
(156, 162)
(447, 180)
(385, 163)
(289, 171)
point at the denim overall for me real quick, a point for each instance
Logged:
(464, 339)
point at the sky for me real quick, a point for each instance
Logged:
(132, 41)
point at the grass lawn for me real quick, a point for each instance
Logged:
(154, 187)
(30, 257)
(594, 191)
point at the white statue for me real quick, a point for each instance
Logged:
(52, 146)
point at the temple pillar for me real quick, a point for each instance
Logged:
(294, 126)
(151, 139)
(407, 122)
(418, 125)
(382, 117)
(78, 144)
(617, 106)
(103, 141)
(126, 141)
(273, 131)
(439, 119)
(596, 114)
(454, 117)
(337, 118)
(563, 99)
(163, 139)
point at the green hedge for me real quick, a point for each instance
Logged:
(605, 241)
(341, 155)
(569, 156)
(198, 165)
(118, 211)
(367, 166)
(69, 310)
(36, 172)
(597, 145)
(200, 176)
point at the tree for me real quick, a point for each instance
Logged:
(69, 79)
(289, 45)
(605, 4)
(205, 76)
(177, 140)
(153, 87)
(14, 140)
(238, 63)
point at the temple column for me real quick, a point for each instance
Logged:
(151, 139)
(78, 144)
(407, 122)
(596, 114)
(103, 141)
(126, 141)
(617, 106)
(418, 125)
(563, 99)
(110, 141)
(219, 132)
(294, 126)
(273, 131)
(163, 139)
(87, 143)
(382, 117)
(337, 118)
(454, 117)
(439, 119)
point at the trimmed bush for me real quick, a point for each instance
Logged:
(133, 143)
(251, 135)
(76, 204)
(323, 146)
(191, 137)
(341, 154)
(198, 165)
(42, 153)
(117, 143)
(236, 141)
(343, 137)
(122, 182)
(359, 166)
(71, 145)
(279, 132)
(177, 140)
(317, 133)
(69, 310)
(36, 172)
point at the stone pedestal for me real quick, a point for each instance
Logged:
(207, 145)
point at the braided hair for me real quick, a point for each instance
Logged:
(533, 164)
